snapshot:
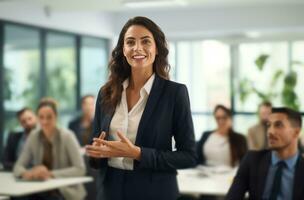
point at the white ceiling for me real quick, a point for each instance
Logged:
(231, 19)
(119, 5)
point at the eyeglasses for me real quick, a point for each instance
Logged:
(224, 118)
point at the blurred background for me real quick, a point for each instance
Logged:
(234, 52)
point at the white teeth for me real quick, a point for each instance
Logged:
(139, 57)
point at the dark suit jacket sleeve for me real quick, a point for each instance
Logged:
(71, 125)
(9, 157)
(94, 162)
(240, 183)
(183, 133)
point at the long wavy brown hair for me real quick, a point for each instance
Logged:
(119, 68)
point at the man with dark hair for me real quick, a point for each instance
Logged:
(277, 173)
(257, 136)
(15, 141)
(82, 126)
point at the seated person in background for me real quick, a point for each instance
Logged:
(223, 146)
(16, 141)
(82, 126)
(257, 136)
(277, 173)
(51, 152)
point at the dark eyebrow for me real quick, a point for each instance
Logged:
(273, 122)
(132, 38)
(145, 37)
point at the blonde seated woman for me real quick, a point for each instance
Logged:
(51, 152)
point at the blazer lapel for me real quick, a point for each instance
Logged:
(262, 174)
(106, 124)
(298, 185)
(150, 106)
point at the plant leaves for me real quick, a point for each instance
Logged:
(261, 60)
(244, 89)
(276, 77)
(290, 79)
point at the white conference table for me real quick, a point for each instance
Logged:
(197, 182)
(4, 197)
(9, 186)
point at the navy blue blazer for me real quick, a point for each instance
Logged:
(75, 126)
(10, 152)
(167, 114)
(252, 174)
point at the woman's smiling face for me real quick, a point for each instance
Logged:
(139, 47)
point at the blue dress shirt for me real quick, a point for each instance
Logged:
(287, 177)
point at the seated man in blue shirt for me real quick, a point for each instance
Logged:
(277, 173)
(16, 141)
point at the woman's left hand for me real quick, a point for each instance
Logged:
(109, 149)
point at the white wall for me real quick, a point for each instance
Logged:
(90, 23)
(221, 21)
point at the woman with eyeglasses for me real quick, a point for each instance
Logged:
(222, 146)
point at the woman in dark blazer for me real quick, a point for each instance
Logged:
(138, 112)
(237, 145)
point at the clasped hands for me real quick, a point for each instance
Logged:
(101, 148)
(39, 172)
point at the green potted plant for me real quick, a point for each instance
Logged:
(287, 94)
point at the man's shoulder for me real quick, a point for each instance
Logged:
(255, 126)
(75, 121)
(13, 139)
(301, 159)
(256, 156)
(16, 134)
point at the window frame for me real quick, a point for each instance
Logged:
(43, 31)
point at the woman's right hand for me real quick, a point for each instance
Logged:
(101, 136)
(117, 148)
(96, 143)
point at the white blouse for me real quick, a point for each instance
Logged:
(127, 122)
(217, 150)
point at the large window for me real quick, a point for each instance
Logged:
(21, 70)
(94, 57)
(260, 79)
(212, 77)
(39, 62)
(61, 70)
(298, 67)
(172, 60)
(204, 66)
